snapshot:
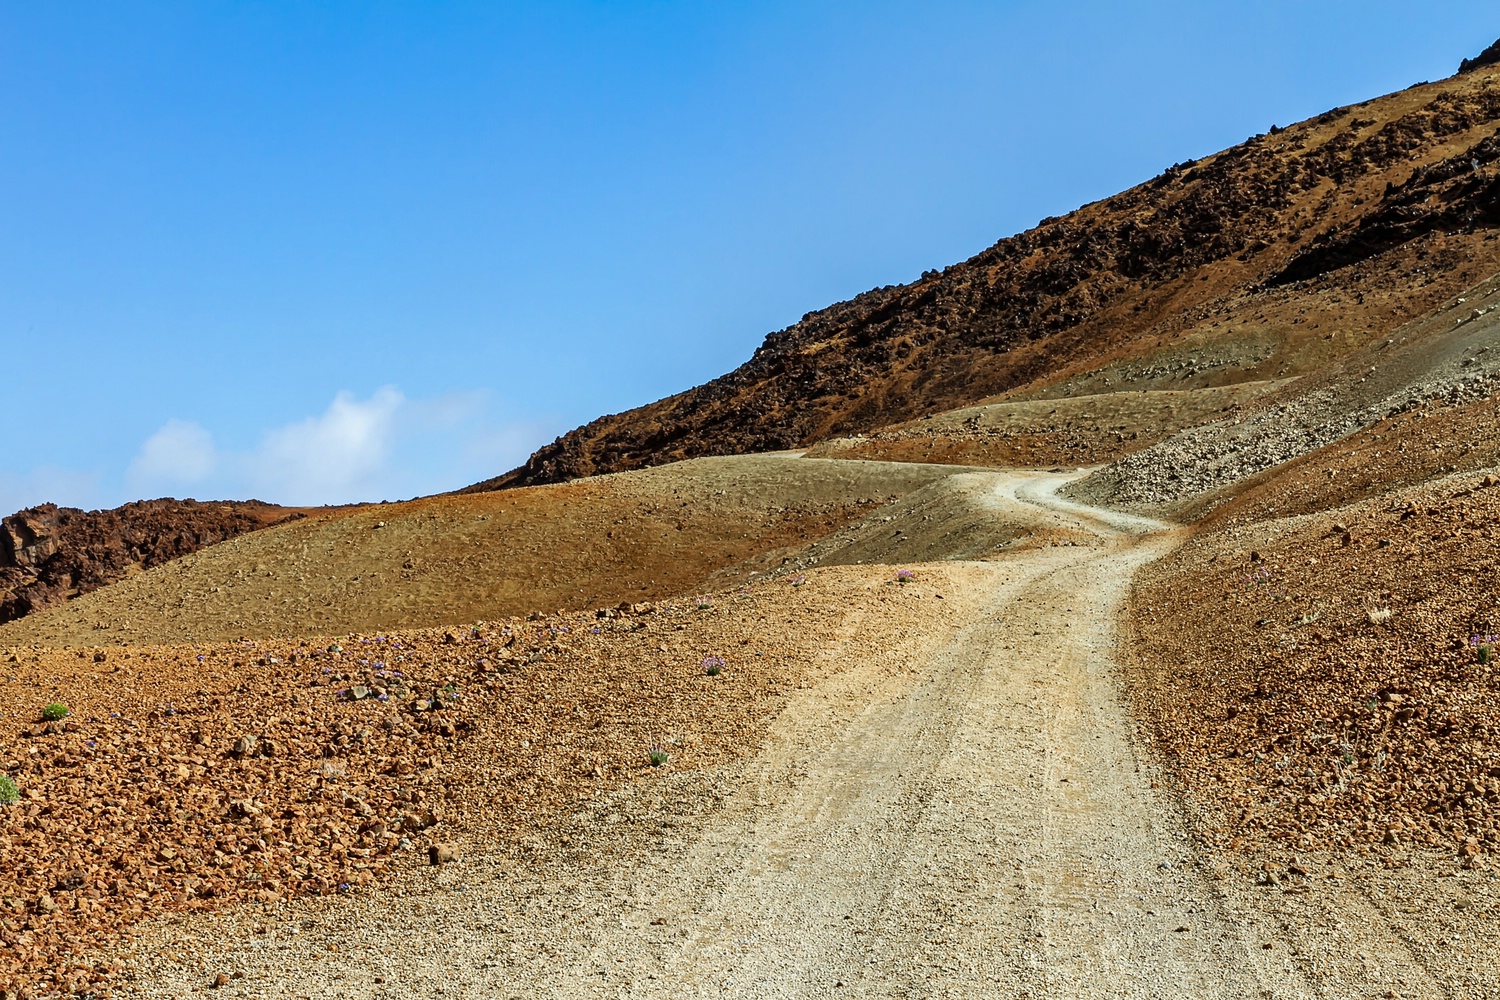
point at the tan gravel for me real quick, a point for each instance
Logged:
(953, 806)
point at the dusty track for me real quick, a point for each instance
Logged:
(962, 815)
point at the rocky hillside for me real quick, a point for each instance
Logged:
(49, 554)
(1269, 259)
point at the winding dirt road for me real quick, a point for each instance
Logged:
(961, 816)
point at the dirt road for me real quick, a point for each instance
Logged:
(959, 816)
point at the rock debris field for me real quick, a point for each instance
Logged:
(194, 778)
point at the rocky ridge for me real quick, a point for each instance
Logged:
(49, 554)
(1367, 217)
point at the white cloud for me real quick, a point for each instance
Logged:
(386, 447)
(334, 458)
(180, 454)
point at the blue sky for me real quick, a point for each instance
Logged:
(323, 252)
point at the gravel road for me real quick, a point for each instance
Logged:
(964, 815)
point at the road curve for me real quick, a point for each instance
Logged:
(979, 823)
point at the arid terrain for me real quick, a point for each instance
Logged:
(1114, 614)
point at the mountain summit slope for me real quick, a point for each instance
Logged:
(1361, 219)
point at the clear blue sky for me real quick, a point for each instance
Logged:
(334, 251)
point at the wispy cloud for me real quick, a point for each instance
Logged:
(336, 457)
(181, 453)
(383, 447)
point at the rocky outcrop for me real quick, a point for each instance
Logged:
(49, 554)
(1489, 57)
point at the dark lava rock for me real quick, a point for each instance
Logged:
(1488, 57)
(49, 554)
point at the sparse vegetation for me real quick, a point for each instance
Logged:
(55, 712)
(1484, 647)
(9, 793)
(713, 665)
(657, 754)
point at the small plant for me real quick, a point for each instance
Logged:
(905, 576)
(713, 665)
(797, 579)
(657, 754)
(9, 793)
(1484, 647)
(704, 603)
(55, 712)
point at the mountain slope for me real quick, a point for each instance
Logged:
(1358, 220)
(49, 554)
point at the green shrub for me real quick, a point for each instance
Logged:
(9, 793)
(658, 755)
(55, 712)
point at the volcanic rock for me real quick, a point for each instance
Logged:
(49, 554)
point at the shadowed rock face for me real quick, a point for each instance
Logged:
(1489, 57)
(49, 554)
(1338, 200)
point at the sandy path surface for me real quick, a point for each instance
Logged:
(960, 815)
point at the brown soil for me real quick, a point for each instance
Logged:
(454, 559)
(139, 806)
(1264, 261)
(1317, 680)
(50, 554)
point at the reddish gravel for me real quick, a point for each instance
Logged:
(1316, 681)
(194, 777)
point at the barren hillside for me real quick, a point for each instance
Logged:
(1264, 261)
(1215, 718)
(452, 560)
(49, 554)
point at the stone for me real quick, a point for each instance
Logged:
(45, 904)
(441, 854)
(245, 746)
(221, 981)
